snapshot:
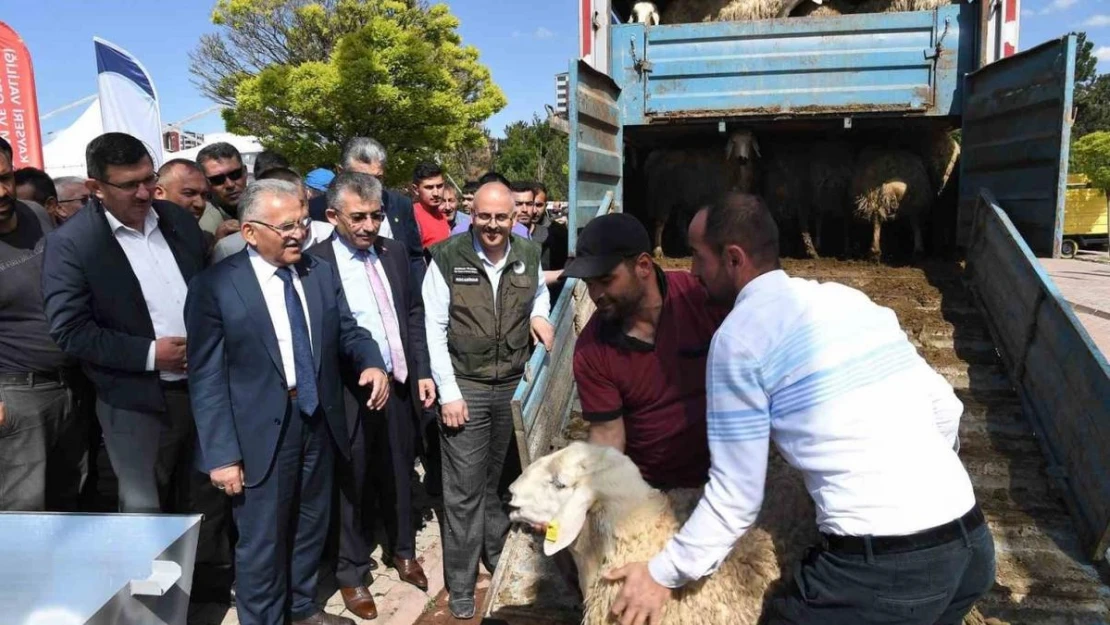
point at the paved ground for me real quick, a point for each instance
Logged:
(398, 603)
(1085, 283)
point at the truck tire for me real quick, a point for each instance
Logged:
(1068, 248)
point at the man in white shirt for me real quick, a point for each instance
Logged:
(831, 378)
(114, 286)
(484, 298)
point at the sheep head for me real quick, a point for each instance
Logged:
(742, 146)
(560, 489)
(644, 13)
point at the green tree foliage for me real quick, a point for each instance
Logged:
(1092, 91)
(1090, 156)
(535, 151)
(306, 75)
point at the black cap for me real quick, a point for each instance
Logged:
(604, 243)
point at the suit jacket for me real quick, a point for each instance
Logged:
(236, 379)
(95, 306)
(409, 305)
(402, 221)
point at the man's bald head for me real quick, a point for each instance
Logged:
(492, 216)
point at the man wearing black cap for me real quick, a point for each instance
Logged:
(640, 361)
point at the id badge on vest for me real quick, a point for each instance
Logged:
(465, 275)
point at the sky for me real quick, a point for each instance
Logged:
(523, 42)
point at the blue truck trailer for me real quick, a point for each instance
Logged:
(1036, 432)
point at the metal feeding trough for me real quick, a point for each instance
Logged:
(96, 569)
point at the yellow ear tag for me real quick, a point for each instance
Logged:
(552, 532)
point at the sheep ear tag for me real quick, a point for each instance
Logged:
(564, 528)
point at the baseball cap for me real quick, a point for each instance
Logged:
(319, 179)
(604, 243)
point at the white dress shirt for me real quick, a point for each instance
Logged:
(273, 291)
(831, 378)
(160, 279)
(437, 304)
(360, 294)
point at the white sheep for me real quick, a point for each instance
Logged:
(690, 11)
(594, 501)
(681, 180)
(644, 13)
(891, 184)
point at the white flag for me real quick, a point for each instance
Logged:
(128, 99)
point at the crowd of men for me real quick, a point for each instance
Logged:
(261, 346)
(277, 355)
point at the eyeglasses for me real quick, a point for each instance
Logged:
(287, 229)
(82, 199)
(133, 185)
(358, 218)
(219, 179)
(485, 218)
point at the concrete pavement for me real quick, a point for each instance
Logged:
(1085, 284)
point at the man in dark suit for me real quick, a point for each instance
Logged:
(384, 300)
(267, 330)
(114, 284)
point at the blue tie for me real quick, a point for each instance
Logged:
(303, 364)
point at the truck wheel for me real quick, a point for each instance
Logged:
(1068, 248)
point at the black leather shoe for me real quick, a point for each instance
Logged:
(323, 618)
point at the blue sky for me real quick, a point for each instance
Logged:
(524, 42)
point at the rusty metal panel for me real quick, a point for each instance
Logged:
(1016, 132)
(596, 145)
(904, 63)
(1061, 375)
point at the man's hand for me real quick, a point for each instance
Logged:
(1, 414)
(427, 392)
(641, 599)
(454, 413)
(229, 226)
(378, 381)
(169, 354)
(543, 332)
(229, 479)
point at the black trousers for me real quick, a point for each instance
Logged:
(934, 586)
(283, 523)
(376, 485)
(43, 443)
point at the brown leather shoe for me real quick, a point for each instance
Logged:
(360, 602)
(410, 571)
(323, 618)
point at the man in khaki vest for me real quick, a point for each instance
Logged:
(486, 304)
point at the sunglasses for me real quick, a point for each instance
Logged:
(219, 179)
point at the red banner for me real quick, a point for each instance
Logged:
(19, 109)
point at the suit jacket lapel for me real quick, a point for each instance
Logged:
(114, 262)
(246, 284)
(180, 255)
(314, 297)
(391, 263)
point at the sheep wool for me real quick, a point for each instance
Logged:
(690, 11)
(891, 184)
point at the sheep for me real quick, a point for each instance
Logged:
(899, 6)
(594, 501)
(644, 13)
(685, 179)
(689, 11)
(891, 184)
(787, 189)
(830, 178)
(940, 153)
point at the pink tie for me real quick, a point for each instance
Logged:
(389, 320)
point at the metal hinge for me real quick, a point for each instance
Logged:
(935, 51)
(641, 65)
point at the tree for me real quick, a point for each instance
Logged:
(535, 151)
(1090, 156)
(1092, 91)
(306, 75)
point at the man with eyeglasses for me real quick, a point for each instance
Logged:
(227, 175)
(270, 337)
(485, 304)
(114, 285)
(72, 196)
(384, 300)
(318, 230)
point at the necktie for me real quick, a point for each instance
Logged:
(389, 320)
(303, 364)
